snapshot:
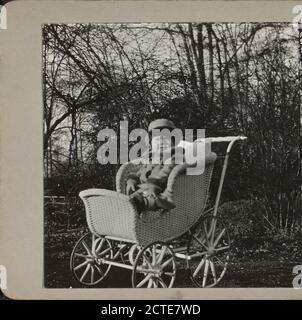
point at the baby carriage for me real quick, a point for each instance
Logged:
(152, 244)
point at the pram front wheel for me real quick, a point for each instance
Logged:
(155, 267)
(87, 259)
(208, 252)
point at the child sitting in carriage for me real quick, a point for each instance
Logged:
(147, 187)
(146, 246)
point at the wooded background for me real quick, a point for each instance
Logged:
(228, 78)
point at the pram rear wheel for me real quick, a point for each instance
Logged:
(87, 259)
(208, 252)
(154, 267)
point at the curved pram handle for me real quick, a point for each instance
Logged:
(226, 139)
(230, 139)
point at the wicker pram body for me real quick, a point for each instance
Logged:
(113, 214)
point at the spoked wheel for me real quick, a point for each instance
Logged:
(87, 259)
(209, 252)
(155, 267)
(134, 252)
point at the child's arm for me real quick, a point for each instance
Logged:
(132, 182)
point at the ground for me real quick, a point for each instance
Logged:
(258, 271)
(260, 258)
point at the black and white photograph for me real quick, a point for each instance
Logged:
(231, 90)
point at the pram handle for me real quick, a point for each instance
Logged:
(223, 139)
(230, 139)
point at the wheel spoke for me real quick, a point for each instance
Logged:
(154, 254)
(162, 283)
(161, 255)
(222, 248)
(219, 237)
(81, 265)
(199, 267)
(205, 232)
(92, 275)
(213, 229)
(198, 254)
(202, 244)
(81, 255)
(147, 260)
(85, 272)
(206, 268)
(91, 270)
(205, 275)
(155, 283)
(157, 264)
(166, 263)
(213, 271)
(99, 245)
(86, 247)
(101, 272)
(92, 240)
(150, 283)
(104, 252)
(170, 274)
(146, 279)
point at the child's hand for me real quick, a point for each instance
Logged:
(130, 188)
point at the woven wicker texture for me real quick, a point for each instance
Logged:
(113, 214)
(190, 196)
(109, 213)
